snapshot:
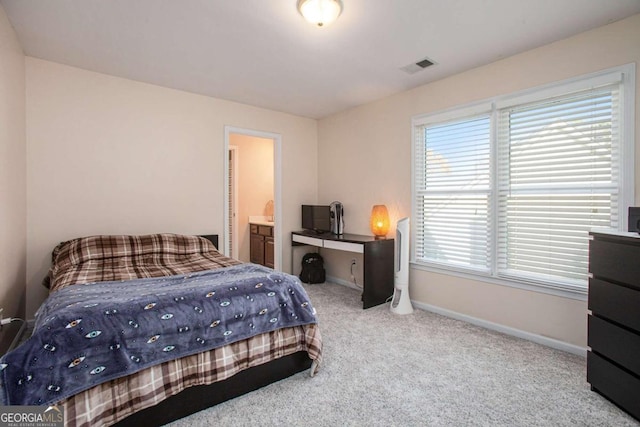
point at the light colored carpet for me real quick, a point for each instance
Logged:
(421, 369)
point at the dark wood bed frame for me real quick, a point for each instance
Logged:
(197, 398)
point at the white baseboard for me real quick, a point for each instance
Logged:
(343, 282)
(539, 339)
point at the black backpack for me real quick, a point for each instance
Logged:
(312, 268)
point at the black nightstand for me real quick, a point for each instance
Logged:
(11, 335)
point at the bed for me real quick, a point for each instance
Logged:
(148, 329)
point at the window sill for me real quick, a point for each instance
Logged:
(576, 294)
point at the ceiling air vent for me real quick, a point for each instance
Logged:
(418, 66)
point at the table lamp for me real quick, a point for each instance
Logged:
(379, 221)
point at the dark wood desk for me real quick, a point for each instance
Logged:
(378, 260)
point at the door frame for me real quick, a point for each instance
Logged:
(277, 190)
(233, 241)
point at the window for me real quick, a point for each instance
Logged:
(509, 189)
(455, 193)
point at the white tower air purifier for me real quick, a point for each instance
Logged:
(401, 303)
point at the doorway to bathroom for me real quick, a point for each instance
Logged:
(252, 191)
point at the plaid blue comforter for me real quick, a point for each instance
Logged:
(91, 333)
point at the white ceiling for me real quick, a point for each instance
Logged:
(262, 53)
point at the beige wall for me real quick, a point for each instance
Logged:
(108, 155)
(255, 183)
(13, 213)
(365, 158)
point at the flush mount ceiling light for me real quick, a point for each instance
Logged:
(320, 12)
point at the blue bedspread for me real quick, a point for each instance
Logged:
(88, 334)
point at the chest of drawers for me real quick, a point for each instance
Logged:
(613, 359)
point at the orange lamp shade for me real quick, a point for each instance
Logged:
(379, 221)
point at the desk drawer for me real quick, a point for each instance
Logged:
(615, 302)
(616, 384)
(307, 240)
(344, 246)
(615, 343)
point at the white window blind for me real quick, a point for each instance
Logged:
(509, 189)
(557, 178)
(453, 193)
